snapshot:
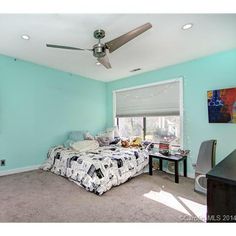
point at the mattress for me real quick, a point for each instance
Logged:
(97, 171)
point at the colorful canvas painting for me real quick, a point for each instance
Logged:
(222, 105)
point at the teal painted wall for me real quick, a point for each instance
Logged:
(212, 72)
(39, 106)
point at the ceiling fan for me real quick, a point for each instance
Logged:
(99, 49)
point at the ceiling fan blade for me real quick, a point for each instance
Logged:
(63, 47)
(120, 41)
(105, 61)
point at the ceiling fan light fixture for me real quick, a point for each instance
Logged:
(187, 26)
(25, 37)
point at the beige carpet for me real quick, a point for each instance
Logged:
(39, 196)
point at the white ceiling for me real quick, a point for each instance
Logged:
(164, 44)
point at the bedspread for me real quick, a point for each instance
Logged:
(99, 170)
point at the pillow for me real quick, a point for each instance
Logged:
(105, 138)
(68, 143)
(73, 136)
(107, 134)
(85, 145)
(76, 135)
(88, 136)
(115, 131)
(103, 141)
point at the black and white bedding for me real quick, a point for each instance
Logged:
(97, 171)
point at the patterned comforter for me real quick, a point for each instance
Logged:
(97, 171)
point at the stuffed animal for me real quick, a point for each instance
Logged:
(136, 142)
(125, 143)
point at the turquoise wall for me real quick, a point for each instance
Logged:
(212, 72)
(39, 106)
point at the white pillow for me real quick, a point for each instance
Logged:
(107, 134)
(85, 145)
(115, 131)
(88, 136)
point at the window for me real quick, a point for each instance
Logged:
(152, 112)
(131, 126)
(163, 128)
(155, 129)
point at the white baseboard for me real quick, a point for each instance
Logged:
(189, 175)
(19, 170)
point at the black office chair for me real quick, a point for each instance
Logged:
(205, 162)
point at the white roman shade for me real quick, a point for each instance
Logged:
(156, 100)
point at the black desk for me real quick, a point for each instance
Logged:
(175, 159)
(221, 191)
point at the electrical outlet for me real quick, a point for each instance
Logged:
(2, 162)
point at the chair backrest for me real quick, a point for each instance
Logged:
(206, 156)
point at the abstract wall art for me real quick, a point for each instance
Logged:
(222, 105)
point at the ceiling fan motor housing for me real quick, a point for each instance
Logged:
(99, 50)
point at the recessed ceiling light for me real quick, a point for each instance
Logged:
(135, 69)
(187, 26)
(98, 63)
(25, 37)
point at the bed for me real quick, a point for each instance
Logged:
(99, 170)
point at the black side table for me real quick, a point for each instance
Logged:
(175, 159)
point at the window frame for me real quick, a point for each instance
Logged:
(181, 115)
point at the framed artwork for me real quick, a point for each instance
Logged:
(222, 105)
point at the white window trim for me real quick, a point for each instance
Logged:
(181, 100)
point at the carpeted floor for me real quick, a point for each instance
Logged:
(40, 196)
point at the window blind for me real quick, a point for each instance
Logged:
(156, 100)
